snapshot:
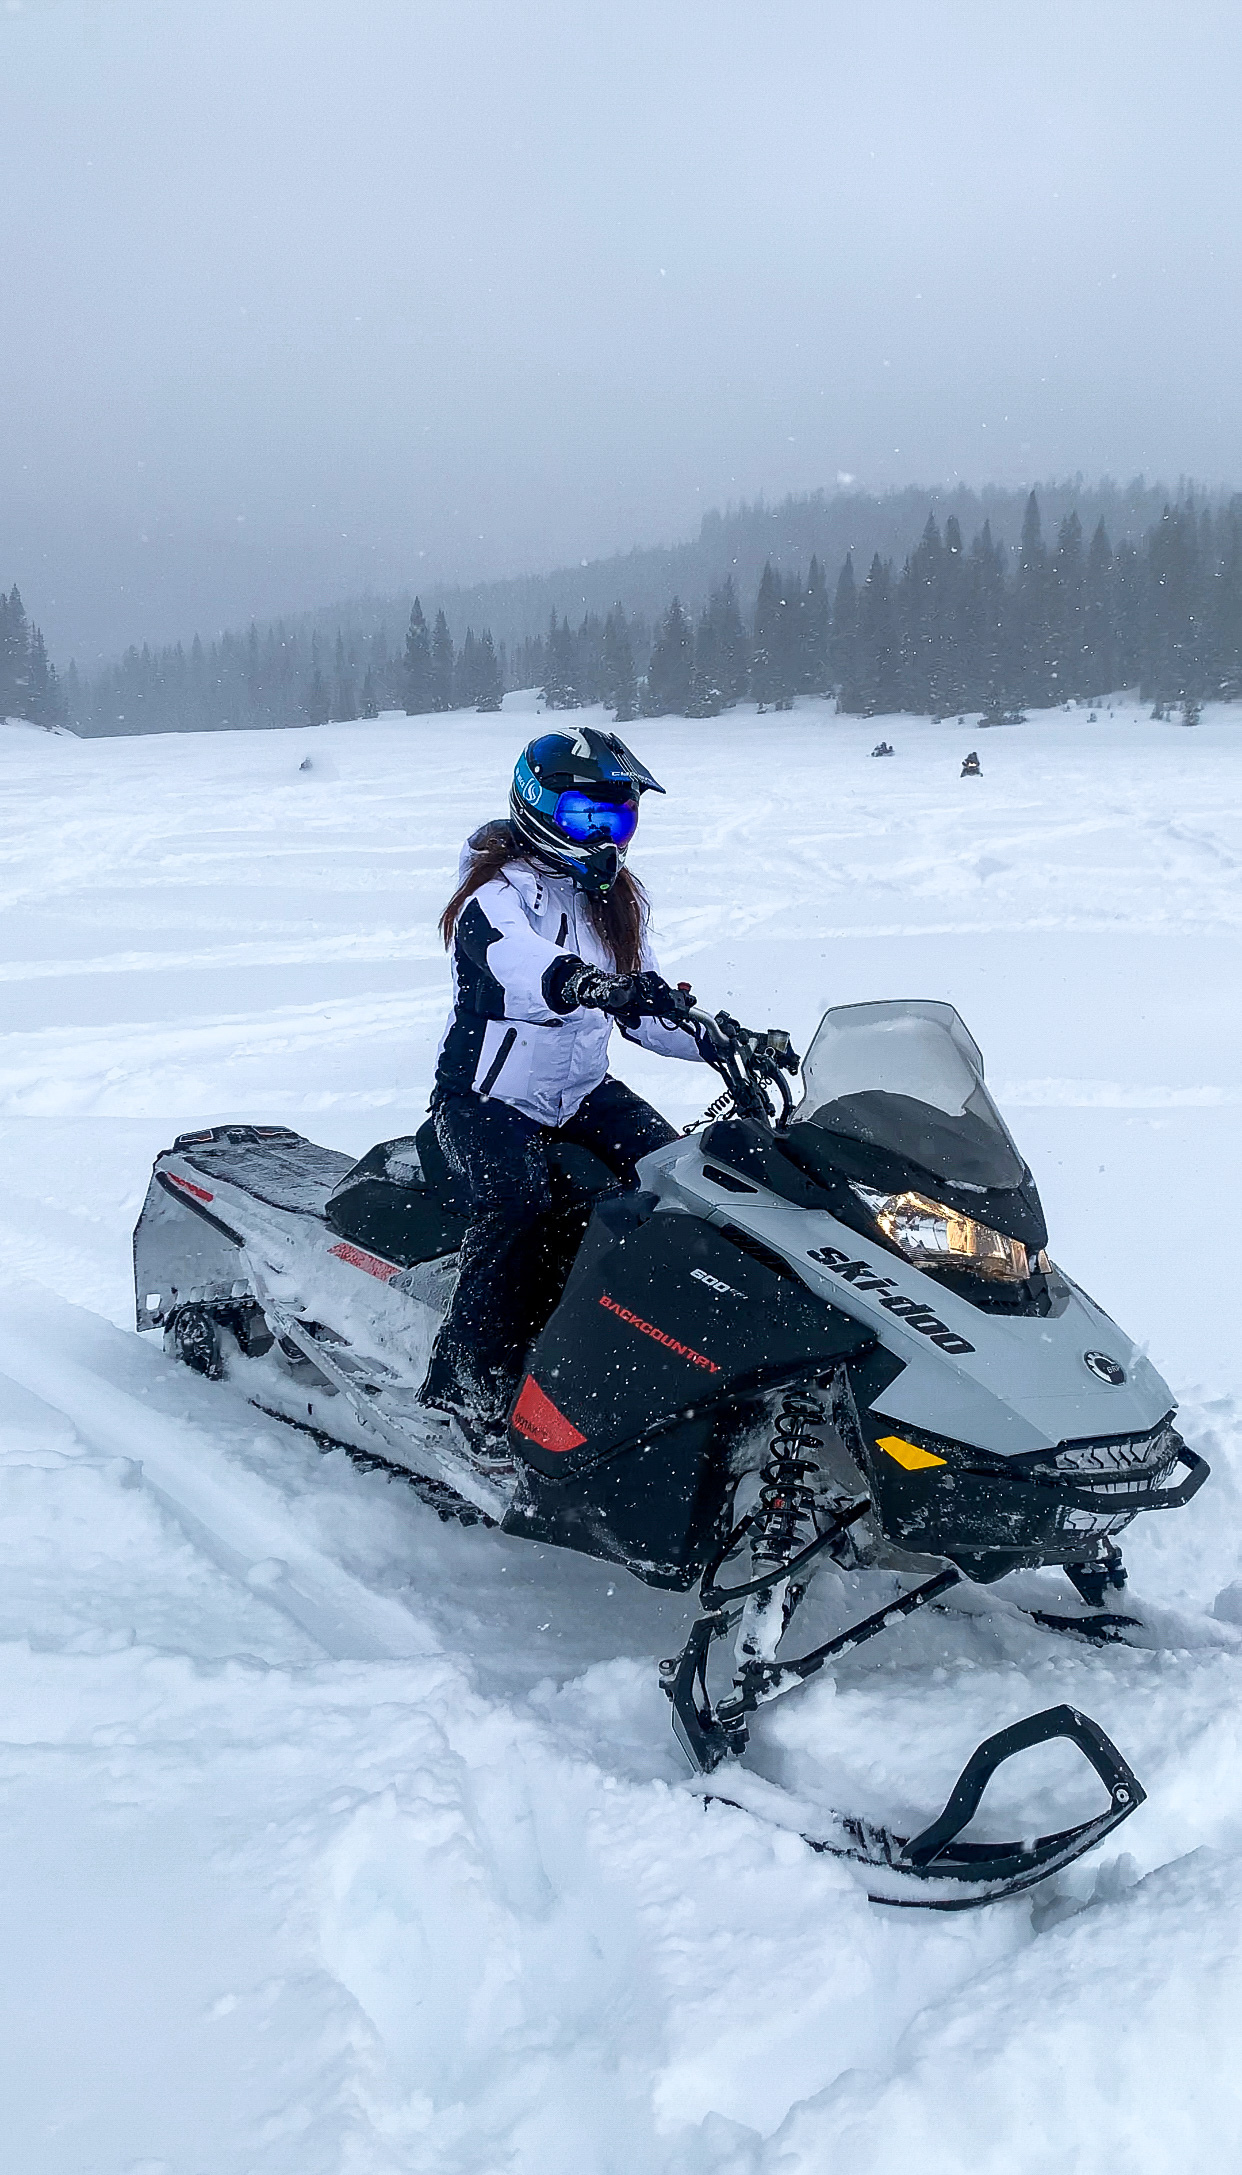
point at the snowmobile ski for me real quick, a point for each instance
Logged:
(934, 1870)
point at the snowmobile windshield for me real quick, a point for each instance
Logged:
(906, 1077)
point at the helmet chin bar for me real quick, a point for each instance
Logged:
(598, 870)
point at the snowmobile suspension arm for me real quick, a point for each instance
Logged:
(764, 1680)
(709, 1734)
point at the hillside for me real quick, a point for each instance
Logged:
(738, 542)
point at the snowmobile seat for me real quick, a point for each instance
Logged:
(387, 1203)
(403, 1202)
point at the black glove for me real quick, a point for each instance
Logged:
(628, 998)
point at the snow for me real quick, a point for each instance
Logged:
(339, 1839)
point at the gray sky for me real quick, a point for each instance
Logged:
(303, 297)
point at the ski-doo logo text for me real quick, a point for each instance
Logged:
(911, 1311)
(684, 1351)
(713, 1283)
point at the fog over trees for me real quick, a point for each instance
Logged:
(963, 621)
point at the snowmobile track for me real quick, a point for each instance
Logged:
(437, 1494)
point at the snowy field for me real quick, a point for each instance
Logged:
(335, 1839)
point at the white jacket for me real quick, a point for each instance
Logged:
(503, 1039)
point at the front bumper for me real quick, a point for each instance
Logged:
(990, 1514)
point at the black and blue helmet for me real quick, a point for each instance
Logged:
(574, 802)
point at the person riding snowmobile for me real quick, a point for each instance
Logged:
(548, 937)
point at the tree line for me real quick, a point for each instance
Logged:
(957, 627)
(29, 687)
(287, 676)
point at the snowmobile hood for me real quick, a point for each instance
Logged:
(1010, 1384)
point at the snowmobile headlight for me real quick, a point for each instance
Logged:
(935, 1237)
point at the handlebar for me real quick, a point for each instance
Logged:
(751, 1061)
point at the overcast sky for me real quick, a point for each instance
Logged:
(303, 297)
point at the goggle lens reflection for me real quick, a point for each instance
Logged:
(582, 819)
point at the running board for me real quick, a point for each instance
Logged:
(368, 1406)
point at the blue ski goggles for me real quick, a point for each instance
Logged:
(582, 818)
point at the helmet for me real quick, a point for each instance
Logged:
(574, 802)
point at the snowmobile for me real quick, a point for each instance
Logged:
(820, 1333)
(971, 767)
(881, 748)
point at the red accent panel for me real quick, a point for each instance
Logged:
(374, 1264)
(187, 1185)
(536, 1417)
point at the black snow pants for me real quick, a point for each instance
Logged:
(517, 1250)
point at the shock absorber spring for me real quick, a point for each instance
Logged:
(784, 1515)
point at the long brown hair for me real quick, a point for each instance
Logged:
(619, 921)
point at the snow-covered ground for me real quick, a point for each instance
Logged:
(335, 1839)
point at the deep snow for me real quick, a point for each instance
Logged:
(338, 1839)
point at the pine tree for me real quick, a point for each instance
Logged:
(669, 690)
(14, 657)
(1099, 659)
(44, 705)
(1067, 607)
(442, 659)
(620, 685)
(490, 680)
(417, 686)
(1028, 664)
(732, 647)
(814, 633)
(879, 661)
(1173, 666)
(560, 675)
(843, 641)
(955, 665)
(786, 640)
(466, 674)
(1129, 612)
(589, 674)
(344, 702)
(766, 661)
(921, 625)
(707, 699)
(317, 703)
(987, 619)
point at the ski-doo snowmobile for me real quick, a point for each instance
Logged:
(828, 1331)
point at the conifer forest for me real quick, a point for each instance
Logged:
(960, 626)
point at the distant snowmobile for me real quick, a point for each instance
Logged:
(832, 1333)
(882, 748)
(970, 768)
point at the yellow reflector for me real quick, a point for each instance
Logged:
(908, 1453)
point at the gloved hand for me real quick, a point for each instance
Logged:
(627, 997)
